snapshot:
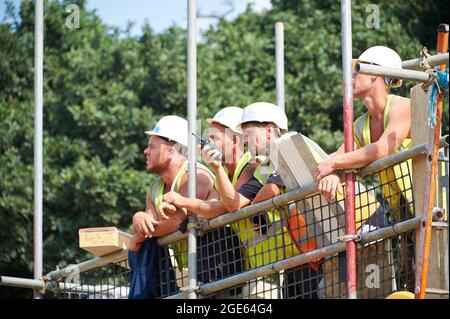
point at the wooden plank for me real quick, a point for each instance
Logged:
(419, 135)
(103, 240)
(436, 264)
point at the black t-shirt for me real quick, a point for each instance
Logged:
(252, 187)
(275, 178)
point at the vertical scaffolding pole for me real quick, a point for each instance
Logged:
(192, 118)
(346, 27)
(279, 56)
(430, 180)
(38, 134)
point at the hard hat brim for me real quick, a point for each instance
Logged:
(165, 137)
(211, 121)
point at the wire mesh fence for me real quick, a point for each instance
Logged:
(108, 282)
(298, 227)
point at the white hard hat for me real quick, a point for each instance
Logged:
(383, 56)
(265, 112)
(173, 128)
(229, 117)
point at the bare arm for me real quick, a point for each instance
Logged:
(396, 132)
(207, 203)
(231, 198)
(165, 226)
(267, 191)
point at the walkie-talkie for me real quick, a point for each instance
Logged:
(205, 144)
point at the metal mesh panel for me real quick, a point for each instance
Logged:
(298, 227)
(109, 282)
(219, 255)
(384, 266)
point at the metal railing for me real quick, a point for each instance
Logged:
(228, 268)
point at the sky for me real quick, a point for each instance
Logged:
(160, 13)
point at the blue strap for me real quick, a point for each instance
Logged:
(441, 84)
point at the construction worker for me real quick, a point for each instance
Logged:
(380, 132)
(226, 136)
(166, 146)
(265, 238)
(232, 197)
(164, 153)
(383, 130)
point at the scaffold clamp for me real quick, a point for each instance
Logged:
(347, 238)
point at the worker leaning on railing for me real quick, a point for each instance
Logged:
(164, 154)
(265, 239)
(226, 137)
(383, 130)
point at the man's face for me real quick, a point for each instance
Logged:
(157, 154)
(255, 138)
(222, 138)
(362, 84)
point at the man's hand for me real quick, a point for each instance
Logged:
(324, 168)
(328, 186)
(165, 209)
(210, 158)
(175, 199)
(144, 224)
(136, 242)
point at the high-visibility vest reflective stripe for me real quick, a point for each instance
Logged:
(243, 227)
(157, 191)
(243, 161)
(395, 183)
(280, 241)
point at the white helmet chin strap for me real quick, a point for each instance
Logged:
(392, 83)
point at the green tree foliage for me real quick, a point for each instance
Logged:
(103, 88)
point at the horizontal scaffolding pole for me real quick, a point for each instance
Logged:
(298, 194)
(41, 285)
(249, 211)
(421, 63)
(394, 159)
(114, 257)
(37, 284)
(210, 288)
(363, 239)
(245, 212)
(370, 69)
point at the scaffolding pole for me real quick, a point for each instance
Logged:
(370, 69)
(279, 54)
(424, 63)
(346, 27)
(192, 128)
(38, 136)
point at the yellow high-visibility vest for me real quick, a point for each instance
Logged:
(395, 181)
(156, 192)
